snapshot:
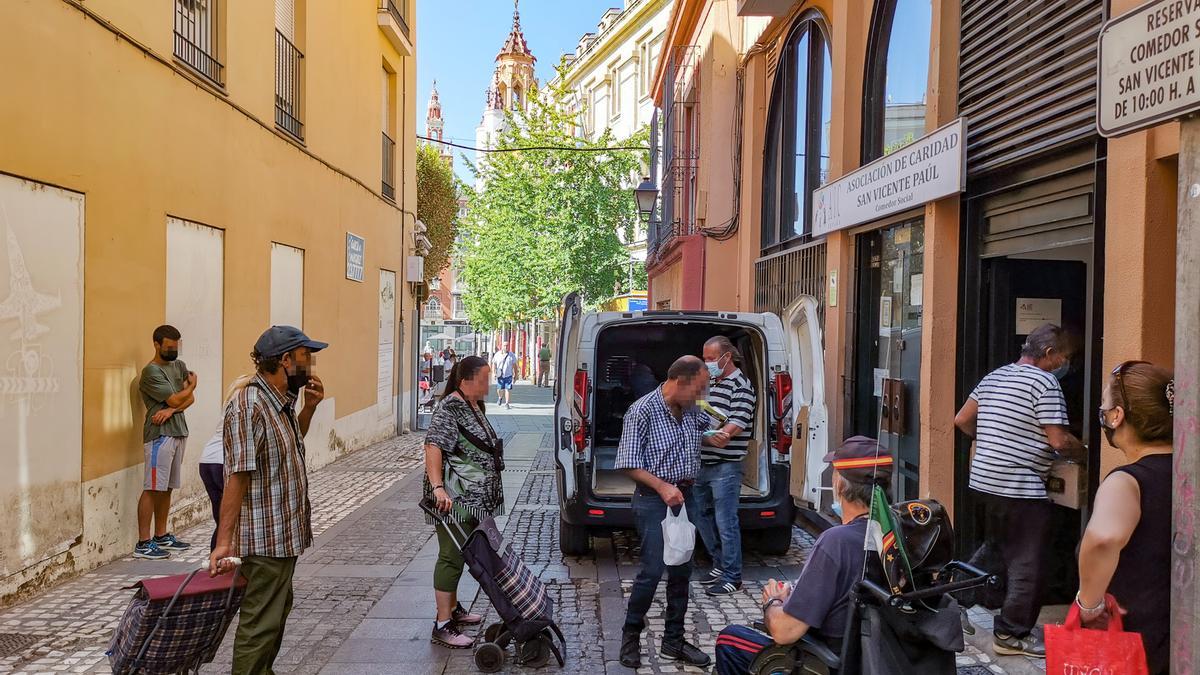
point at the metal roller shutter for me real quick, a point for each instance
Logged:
(1027, 77)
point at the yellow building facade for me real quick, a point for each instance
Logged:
(214, 165)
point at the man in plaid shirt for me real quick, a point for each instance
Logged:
(660, 450)
(266, 489)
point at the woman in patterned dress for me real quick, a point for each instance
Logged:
(463, 461)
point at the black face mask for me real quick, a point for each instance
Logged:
(297, 380)
(1109, 433)
(170, 355)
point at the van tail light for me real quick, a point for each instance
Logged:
(783, 412)
(581, 405)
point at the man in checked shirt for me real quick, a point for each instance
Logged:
(660, 450)
(265, 509)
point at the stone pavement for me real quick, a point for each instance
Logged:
(363, 597)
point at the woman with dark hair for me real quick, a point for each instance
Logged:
(1126, 549)
(463, 460)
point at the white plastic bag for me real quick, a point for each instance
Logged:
(679, 537)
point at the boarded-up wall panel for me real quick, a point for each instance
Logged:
(287, 286)
(195, 305)
(41, 367)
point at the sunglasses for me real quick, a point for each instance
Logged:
(1118, 374)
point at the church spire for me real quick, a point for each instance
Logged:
(515, 45)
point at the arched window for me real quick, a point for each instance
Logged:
(433, 308)
(516, 97)
(897, 76)
(797, 150)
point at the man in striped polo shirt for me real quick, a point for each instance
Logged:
(719, 485)
(1018, 418)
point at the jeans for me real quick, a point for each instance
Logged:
(264, 613)
(737, 647)
(213, 477)
(1021, 530)
(648, 512)
(718, 489)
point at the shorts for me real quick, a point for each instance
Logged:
(164, 463)
(504, 382)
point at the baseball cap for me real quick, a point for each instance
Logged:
(279, 340)
(861, 460)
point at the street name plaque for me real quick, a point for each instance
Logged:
(1149, 66)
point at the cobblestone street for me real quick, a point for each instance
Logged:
(363, 597)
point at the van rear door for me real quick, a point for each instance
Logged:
(811, 428)
(567, 410)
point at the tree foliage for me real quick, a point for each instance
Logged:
(437, 207)
(542, 223)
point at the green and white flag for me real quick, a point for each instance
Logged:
(885, 538)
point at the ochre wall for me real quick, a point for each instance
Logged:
(142, 141)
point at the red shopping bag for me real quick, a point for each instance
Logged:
(1072, 649)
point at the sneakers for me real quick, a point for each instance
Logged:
(169, 542)
(724, 588)
(462, 617)
(714, 575)
(449, 637)
(150, 551)
(685, 652)
(1030, 645)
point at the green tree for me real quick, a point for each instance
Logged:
(437, 207)
(542, 223)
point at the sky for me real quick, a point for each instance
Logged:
(457, 43)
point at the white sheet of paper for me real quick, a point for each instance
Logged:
(1033, 312)
(916, 293)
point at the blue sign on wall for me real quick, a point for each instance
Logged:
(636, 304)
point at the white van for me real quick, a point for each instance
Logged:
(607, 360)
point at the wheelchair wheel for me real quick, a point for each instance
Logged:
(774, 660)
(535, 653)
(489, 657)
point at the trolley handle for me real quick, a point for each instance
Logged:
(454, 527)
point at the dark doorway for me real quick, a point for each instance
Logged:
(1016, 296)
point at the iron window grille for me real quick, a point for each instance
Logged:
(197, 37)
(289, 81)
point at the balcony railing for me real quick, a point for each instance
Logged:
(389, 167)
(396, 14)
(196, 27)
(289, 82)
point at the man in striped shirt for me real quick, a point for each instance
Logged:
(1018, 418)
(719, 485)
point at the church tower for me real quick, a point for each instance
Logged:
(512, 81)
(434, 126)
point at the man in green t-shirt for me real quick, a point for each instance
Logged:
(167, 388)
(544, 366)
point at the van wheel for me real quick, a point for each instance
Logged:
(775, 540)
(573, 539)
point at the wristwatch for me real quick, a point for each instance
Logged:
(772, 601)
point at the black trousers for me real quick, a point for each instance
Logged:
(213, 476)
(1020, 529)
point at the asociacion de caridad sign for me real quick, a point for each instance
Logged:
(925, 170)
(1148, 66)
(356, 248)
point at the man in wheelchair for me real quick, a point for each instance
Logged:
(819, 603)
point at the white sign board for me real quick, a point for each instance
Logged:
(1148, 66)
(927, 169)
(355, 255)
(1034, 312)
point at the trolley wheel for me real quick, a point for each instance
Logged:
(492, 632)
(489, 657)
(534, 653)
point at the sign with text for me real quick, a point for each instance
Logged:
(925, 170)
(1148, 66)
(356, 248)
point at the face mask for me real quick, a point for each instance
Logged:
(170, 355)
(714, 371)
(1109, 431)
(1061, 371)
(837, 507)
(297, 380)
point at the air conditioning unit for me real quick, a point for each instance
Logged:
(415, 270)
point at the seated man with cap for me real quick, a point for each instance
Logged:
(820, 600)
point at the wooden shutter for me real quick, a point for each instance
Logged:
(285, 18)
(1027, 77)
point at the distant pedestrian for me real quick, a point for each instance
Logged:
(464, 458)
(719, 485)
(504, 364)
(1018, 418)
(449, 358)
(212, 464)
(427, 365)
(1126, 549)
(167, 388)
(660, 450)
(544, 355)
(266, 516)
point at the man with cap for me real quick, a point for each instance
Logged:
(266, 518)
(820, 600)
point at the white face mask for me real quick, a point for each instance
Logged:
(714, 368)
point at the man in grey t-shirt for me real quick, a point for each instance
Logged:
(167, 388)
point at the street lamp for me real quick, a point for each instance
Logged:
(646, 194)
